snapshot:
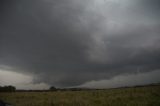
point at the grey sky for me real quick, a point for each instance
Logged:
(72, 42)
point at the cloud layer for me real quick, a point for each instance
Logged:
(125, 80)
(68, 43)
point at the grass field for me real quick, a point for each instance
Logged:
(140, 96)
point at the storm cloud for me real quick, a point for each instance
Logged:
(72, 42)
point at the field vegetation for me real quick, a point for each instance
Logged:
(136, 96)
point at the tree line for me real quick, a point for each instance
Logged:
(9, 88)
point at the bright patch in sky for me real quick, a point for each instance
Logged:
(21, 81)
(126, 80)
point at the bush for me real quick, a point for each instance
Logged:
(7, 89)
(52, 88)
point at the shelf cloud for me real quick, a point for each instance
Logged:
(70, 43)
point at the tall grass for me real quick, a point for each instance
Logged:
(141, 96)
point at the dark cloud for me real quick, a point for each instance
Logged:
(68, 43)
(154, 4)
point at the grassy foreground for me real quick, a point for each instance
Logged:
(140, 96)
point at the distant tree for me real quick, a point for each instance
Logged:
(52, 88)
(7, 88)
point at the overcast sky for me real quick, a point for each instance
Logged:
(79, 43)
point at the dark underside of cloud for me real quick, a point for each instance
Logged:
(70, 42)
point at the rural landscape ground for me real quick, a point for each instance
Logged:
(136, 96)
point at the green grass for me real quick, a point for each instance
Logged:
(141, 96)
